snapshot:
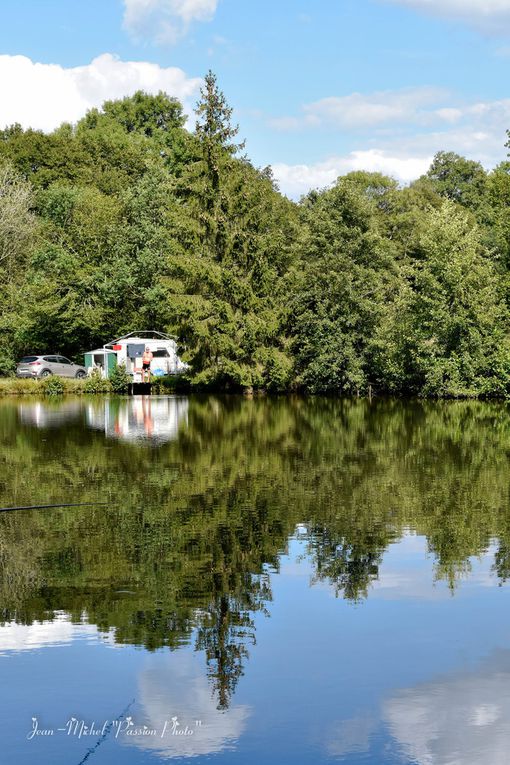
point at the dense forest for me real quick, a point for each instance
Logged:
(129, 220)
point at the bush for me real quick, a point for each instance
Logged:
(119, 379)
(97, 384)
(52, 386)
(7, 362)
(170, 384)
(277, 370)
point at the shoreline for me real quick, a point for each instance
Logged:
(58, 387)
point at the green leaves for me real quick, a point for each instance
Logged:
(449, 321)
(129, 219)
(347, 272)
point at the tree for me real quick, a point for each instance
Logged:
(344, 275)
(18, 236)
(145, 113)
(459, 179)
(497, 225)
(235, 232)
(445, 333)
(216, 149)
(17, 221)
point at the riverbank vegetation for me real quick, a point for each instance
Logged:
(58, 386)
(128, 220)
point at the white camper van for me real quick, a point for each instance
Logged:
(128, 351)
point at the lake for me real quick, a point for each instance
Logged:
(254, 581)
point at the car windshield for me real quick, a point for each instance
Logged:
(28, 359)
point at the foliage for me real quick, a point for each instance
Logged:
(14, 386)
(447, 326)
(170, 384)
(96, 383)
(127, 219)
(233, 248)
(119, 379)
(344, 277)
(459, 179)
(52, 385)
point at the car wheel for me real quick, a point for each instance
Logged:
(45, 373)
(80, 375)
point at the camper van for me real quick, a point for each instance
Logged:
(128, 351)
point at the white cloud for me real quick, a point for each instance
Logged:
(295, 180)
(367, 110)
(395, 132)
(491, 16)
(423, 106)
(449, 114)
(165, 21)
(45, 95)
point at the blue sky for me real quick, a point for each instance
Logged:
(318, 88)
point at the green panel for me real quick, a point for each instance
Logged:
(88, 360)
(112, 362)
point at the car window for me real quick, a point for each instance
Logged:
(28, 359)
(51, 359)
(63, 360)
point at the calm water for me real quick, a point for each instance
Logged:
(264, 581)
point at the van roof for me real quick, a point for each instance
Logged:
(142, 335)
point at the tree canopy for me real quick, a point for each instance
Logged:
(129, 218)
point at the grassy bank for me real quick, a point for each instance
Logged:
(13, 386)
(118, 385)
(59, 386)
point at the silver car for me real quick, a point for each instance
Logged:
(43, 366)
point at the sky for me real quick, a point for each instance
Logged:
(318, 88)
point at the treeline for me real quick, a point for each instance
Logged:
(128, 220)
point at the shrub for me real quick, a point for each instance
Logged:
(170, 384)
(97, 384)
(277, 370)
(119, 379)
(75, 386)
(52, 386)
(7, 362)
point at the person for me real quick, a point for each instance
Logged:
(146, 364)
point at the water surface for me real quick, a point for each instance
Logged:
(287, 581)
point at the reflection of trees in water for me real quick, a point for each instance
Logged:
(223, 634)
(349, 564)
(193, 527)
